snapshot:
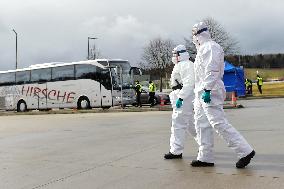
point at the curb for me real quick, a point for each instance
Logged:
(75, 111)
(259, 97)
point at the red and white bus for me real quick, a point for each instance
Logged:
(85, 84)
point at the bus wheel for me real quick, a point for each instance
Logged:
(21, 106)
(83, 103)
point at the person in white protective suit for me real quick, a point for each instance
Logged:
(208, 103)
(182, 96)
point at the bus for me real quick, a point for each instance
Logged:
(88, 84)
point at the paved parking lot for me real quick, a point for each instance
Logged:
(125, 150)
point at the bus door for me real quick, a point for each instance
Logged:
(105, 88)
(41, 95)
(39, 79)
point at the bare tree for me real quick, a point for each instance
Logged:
(157, 55)
(219, 35)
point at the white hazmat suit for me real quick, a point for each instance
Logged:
(209, 70)
(182, 118)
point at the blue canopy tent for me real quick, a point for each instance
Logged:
(234, 79)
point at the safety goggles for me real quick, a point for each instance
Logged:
(195, 31)
(176, 53)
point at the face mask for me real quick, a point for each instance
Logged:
(174, 60)
(195, 41)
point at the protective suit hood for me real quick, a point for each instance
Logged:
(200, 34)
(181, 52)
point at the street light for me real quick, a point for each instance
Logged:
(89, 45)
(16, 48)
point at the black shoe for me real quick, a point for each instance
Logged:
(197, 163)
(172, 156)
(245, 160)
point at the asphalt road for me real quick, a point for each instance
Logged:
(125, 150)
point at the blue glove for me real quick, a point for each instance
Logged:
(206, 96)
(179, 103)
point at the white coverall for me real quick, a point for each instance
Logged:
(209, 70)
(182, 118)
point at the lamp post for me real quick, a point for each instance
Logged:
(16, 48)
(89, 45)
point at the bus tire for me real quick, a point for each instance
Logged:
(21, 106)
(83, 103)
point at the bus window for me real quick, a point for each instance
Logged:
(63, 73)
(22, 77)
(7, 78)
(41, 75)
(85, 71)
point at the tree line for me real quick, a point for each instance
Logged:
(265, 61)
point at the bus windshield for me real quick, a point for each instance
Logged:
(117, 66)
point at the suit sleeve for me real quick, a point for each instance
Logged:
(212, 65)
(175, 76)
(187, 77)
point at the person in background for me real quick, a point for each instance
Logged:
(138, 90)
(152, 90)
(248, 84)
(259, 82)
(208, 104)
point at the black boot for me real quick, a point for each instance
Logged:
(172, 156)
(197, 163)
(245, 160)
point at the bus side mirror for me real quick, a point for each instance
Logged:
(115, 70)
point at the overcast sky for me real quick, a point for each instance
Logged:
(57, 30)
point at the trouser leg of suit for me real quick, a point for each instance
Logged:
(205, 133)
(214, 116)
(182, 123)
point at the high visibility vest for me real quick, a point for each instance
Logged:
(259, 80)
(152, 87)
(248, 83)
(138, 87)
